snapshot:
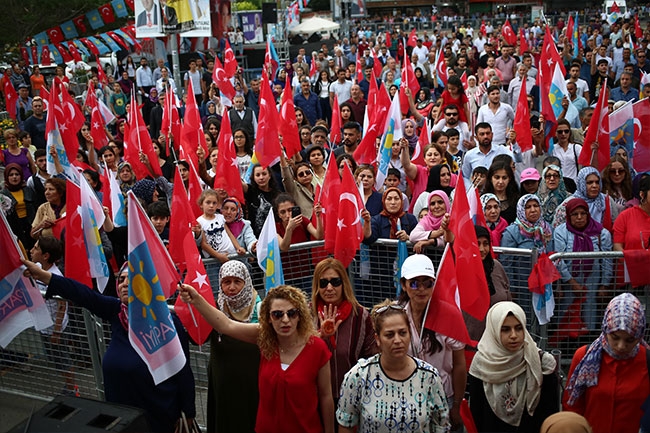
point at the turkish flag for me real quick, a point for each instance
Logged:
(598, 131)
(615, 8)
(229, 60)
(68, 116)
(358, 76)
(349, 232)
(441, 67)
(129, 3)
(288, 126)
(413, 39)
(544, 272)
(77, 267)
(641, 161)
(138, 140)
(74, 52)
(443, 313)
(64, 53)
(101, 75)
(192, 135)
(34, 50)
(366, 152)
(171, 122)
(473, 289)
(11, 96)
(55, 34)
(46, 60)
(508, 33)
(80, 23)
(377, 67)
(118, 39)
(638, 32)
(194, 186)
(107, 14)
(335, 131)
(483, 28)
(548, 59)
(328, 198)
(93, 49)
(220, 77)
(181, 221)
(267, 143)
(313, 68)
(523, 45)
(569, 27)
(197, 327)
(636, 263)
(408, 80)
(25, 55)
(97, 123)
(389, 43)
(227, 170)
(424, 139)
(521, 124)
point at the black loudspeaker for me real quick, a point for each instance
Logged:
(76, 414)
(269, 13)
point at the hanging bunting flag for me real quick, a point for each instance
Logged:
(69, 30)
(129, 3)
(55, 34)
(120, 8)
(110, 42)
(64, 53)
(46, 60)
(106, 11)
(118, 39)
(95, 19)
(41, 39)
(80, 23)
(24, 53)
(93, 49)
(103, 49)
(72, 49)
(56, 54)
(81, 47)
(34, 54)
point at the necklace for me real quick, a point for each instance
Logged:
(289, 347)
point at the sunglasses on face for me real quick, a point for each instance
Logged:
(616, 171)
(279, 314)
(417, 284)
(304, 173)
(335, 282)
(563, 131)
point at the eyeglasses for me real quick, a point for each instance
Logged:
(551, 176)
(616, 171)
(417, 284)
(385, 308)
(563, 131)
(304, 173)
(335, 282)
(279, 314)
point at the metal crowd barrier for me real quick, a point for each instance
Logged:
(27, 370)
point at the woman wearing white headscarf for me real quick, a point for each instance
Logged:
(232, 372)
(513, 385)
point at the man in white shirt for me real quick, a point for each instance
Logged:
(515, 85)
(341, 88)
(499, 115)
(144, 77)
(582, 85)
(483, 154)
(421, 51)
(450, 120)
(195, 75)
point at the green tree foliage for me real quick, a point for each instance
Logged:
(253, 5)
(24, 18)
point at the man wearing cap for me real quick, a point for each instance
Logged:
(599, 73)
(23, 104)
(308, 101)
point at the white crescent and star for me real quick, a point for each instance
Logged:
(352, 199)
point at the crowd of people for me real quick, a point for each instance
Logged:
(327, 362)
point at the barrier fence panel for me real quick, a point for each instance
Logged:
(29, 366)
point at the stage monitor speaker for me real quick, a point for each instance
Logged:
(269, 13)
(75, 414)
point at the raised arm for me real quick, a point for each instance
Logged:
(247, 332)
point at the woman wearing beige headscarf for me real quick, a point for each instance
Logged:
(565, 422)
(513, 385)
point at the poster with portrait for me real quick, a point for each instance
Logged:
(148, 22)
(177, 16)
(221, 17)
(202, 21)
(251, 24)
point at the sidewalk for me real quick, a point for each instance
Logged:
(14, 409)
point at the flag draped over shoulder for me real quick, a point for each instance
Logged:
(268, 253)
(21, 304)
(151, 329)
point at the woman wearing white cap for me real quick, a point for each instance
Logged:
(444, 353)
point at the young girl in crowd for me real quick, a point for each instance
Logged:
(217, 240)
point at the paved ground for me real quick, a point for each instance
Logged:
(14, 409)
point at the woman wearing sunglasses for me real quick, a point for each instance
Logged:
(294, 375)
(343, 323)
(392, 391)
(446, 354)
